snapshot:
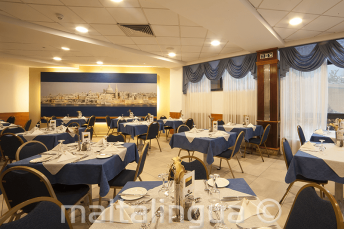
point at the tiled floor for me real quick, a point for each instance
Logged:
(265, 178)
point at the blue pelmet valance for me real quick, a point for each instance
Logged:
(237, 67)
(310, 57)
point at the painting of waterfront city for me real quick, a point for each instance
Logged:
(98, 94)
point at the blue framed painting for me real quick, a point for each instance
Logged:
(99, 94)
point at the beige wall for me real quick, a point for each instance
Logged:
(163, 87)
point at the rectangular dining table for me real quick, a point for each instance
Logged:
(114, 121)
(136, 129)
(174, 123)
(249, 132)
(329, 137)
(94, 171)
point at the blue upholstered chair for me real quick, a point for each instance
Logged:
(309, 211)
(181, 129)
(48, 213)
(13, 130)
(11, 119)
(116, 138)
(9, 144)
(230, 153)
(220, 122)
(288, 157)
(74, 124)
(29, 149)
(260, 141)
(21, 183)
(189, 123)
(90, 130)
(152, 133)
(27, 125)
(108, 124)
(166, 128)
(301, 135)
(91, 122)
(191, 163)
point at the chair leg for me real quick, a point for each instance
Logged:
(245, 149)
(220, 163)
(260, 153)
(239, 163)
(158, 144)
(100, 201)
(114, 193)
(211, 166)
(108, 132)
(286, 193)
(179, 152)
(266, 149)
(230, 168)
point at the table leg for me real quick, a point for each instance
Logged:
(206, 163)
(338, 193)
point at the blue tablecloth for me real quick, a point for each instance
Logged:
(134, 130)
(310, 167)
(317, 137)
(238, 184)
(95, 171)
(172, 123)
(249, 133)
(209, 146)
(6, 124)
(113, 123)
(81, 122)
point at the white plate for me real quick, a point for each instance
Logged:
(103, 155)
(221, 182)
(119, 143)
(137, 190)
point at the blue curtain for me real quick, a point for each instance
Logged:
(305, 60)
(238, 67)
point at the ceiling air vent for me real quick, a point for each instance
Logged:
(137, 30)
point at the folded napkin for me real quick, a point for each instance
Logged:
(37, 132)
(66, 156)
(308, 146)
(228, 124)
(118, 212)
(194, 130)
(12, 125)
(57, 148)
(248, 209)
(252, 126)
(121, 152)
(110, 148)
(221, 134)
(101, 142)
(319, 131)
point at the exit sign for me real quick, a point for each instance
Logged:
(266, 55)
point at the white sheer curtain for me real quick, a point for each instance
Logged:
(304, 102)
(198, 102)
(239, 98)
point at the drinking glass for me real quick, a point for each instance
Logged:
(328, 129)
(141, 210)
(163, 191)
(322, 147)
(61, 145)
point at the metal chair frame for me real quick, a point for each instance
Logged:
(261, 142)
(26, 143)
(150, 140)
(2, 152)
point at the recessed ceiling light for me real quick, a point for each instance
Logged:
(116, 0)
(81, 29)
(57, 58)
(65, 48)
(99, 62)
(215, 43)
(172, 54)
(295, 21)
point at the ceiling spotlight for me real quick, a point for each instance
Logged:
(81, 29)
(295, 21)
(65, 48)
(172, 54)
(57, 58)
(99, 62)
(215, 43)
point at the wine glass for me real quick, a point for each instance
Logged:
(61, 145)
(163, 191)
(322, 147)
(142, 211)
(328, 129)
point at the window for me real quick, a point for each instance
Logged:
(216, 85)
(335, 93)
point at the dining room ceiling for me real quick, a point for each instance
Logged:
(33, 31)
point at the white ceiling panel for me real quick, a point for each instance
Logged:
(51, 11)
(191, 49)
(161, 17)
(207, 42)
(166, 30)
(10, 1)
(231, 50)
(256, 3)
(150, 48)
(306, 18)
(186, 22)
(272, 16)
(131, 46)
(303, 34)
(279, 4)
(101, 38)
(145, 40)
(168, 40)
(207, 54)
(128, 15)
(324, 34)
(323, 23)
(231, 45)
(315, 6)
(20, 46)
(150, 5)
(284, 32)
(44, 2)
(212, 49)
(125, 3)
(108, 30)
(6, 14)
(187, 58)
(176, 48)
(337, 10)
(71, 27)
(23, 11)
(192, 41)
(86, 3)
(53, 25)
(94, 15)
(337, 29)
(192, 31)
(120, 40)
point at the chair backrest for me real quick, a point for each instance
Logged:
(163, 117)
(89, 129)
(189, 123)
(120, 121)
(9, 144)
(238, 142)
(116, 138)
(310, 211)
(287, 153)
(53, 117)
(29, 149)
(142, 160)
(47, 214)
(265, 134)
(191, 163)
(13, 130)
(27, 125)
(183, 128)
(108, 120)
(91, 121)
(11, 119)
(74, 124)
(153, 130)
(21, 183)
(301, 135)
(220, 122)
